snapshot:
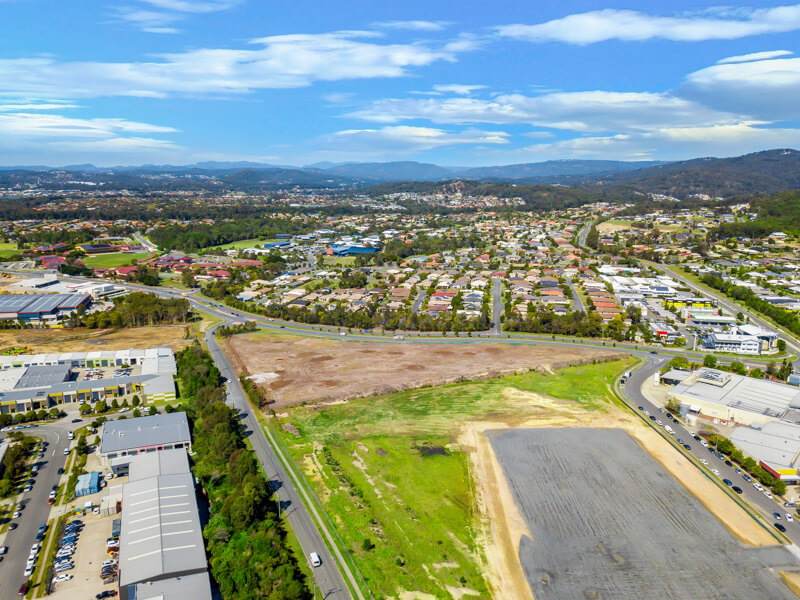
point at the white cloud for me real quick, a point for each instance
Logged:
(192, 6)
(668, 144)
(456, 88)
(414, 25)
(48, 125)
(405, 139)
(36, 105)
(629, 25)
(755, 56)
(763, 89)
(590, 111)
(149, 20)
(285, 61)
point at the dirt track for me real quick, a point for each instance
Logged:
(295, 370)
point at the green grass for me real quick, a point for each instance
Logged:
(113, 260)
(5, 512)
(294, 547)
(243, 244)
(341, 261)
(364, 462)
(45, 559)
(8, 249)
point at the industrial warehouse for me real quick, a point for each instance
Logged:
(162, 552)
(41, 309)
(35, 381)
(122, 439)
(736, 399)
(776, 447)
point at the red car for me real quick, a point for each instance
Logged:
(23, 589)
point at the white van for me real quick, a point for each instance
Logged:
(314, 559)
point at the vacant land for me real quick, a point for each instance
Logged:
(392, 470)
(86, 340)
(295, 370)
(113, 260)
(607, 521)
(242, 244)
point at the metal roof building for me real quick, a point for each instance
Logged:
(39, 307)
(776, 446)
(145, 434)
(736, 398)
(161, 541)
(196, 586)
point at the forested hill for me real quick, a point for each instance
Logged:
(765, 172)
(780, 212)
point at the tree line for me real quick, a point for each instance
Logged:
(248, 551)
(137, 309)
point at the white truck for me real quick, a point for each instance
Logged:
(669, 430)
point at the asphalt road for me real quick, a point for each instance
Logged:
(418, 302)
(497, 306)
(791, 343)
(577, 303)
(329, 580)
(632, 391)
(20, 540)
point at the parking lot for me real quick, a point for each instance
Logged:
(608, 521)
(90, 553)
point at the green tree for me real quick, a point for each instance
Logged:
(137, 413)
(779, 488)
(152, 411)
(85, 408)
(781, 344)
(135, 401)
(54, 412)
(709, 360)
(101, 406)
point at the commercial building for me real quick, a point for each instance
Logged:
(732, 342)
(41, 309)
(775, 446)
(121, 440)
(162, 552)
(736, 399)
(34, 381)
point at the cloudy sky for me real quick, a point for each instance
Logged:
(455, 83)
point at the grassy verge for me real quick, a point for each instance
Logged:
(293, 544)
(392, 478)
(5, 514)
(43, 570)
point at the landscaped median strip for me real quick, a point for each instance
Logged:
(41, 570)
(752, 512)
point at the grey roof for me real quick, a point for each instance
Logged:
(152, 384)
(40, 303)
(738, 392)
(777, 444)
(37, 376)
(141, 432)
(161, 534)
(196, 586)
(153, 464)
(676, 375)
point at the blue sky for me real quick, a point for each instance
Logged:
(455, 83)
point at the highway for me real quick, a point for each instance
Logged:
(20, 540)
(327, 574)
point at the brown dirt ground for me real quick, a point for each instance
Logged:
(86, 340)
(294, 369)
(503, 525)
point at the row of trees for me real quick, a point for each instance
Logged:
(249, 556)
(786, 318)
(14, 462)
(137, 309)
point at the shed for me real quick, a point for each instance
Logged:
(89, 483)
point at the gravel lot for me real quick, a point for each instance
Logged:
(608, 521)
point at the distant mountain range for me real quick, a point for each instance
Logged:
(762, 172)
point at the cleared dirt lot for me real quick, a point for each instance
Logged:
(606, 520)
(86, 340)
(294, 369)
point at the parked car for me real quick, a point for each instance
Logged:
(106, 594)
(63, 577)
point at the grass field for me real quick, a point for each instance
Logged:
(388, 469)
(339, 261)
(7, 250)
(113, 260)
(243, 244)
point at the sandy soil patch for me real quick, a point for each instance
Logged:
(314, 369)
(502, 523)
(86, 340)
